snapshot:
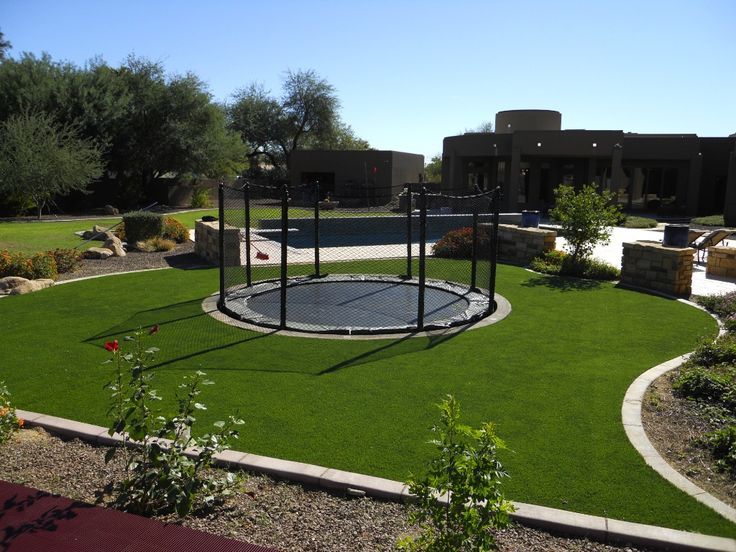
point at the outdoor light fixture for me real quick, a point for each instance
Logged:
(595, 144)
(539, 144)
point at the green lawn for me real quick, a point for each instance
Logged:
(552, 376)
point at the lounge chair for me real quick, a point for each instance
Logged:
(692, 237)
(713, 238)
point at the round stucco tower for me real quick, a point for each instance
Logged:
(527, 119)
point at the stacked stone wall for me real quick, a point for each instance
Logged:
(207, 246)
(519, 245)
(721, 261)
(650, 265)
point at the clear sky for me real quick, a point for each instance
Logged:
(409, 73)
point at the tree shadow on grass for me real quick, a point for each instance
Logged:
(562, 283)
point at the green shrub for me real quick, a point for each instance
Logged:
(723, 305)
(458, 244)
(466, 470)
(630, 221)
(559, 263)
(67, 260)
(701, 384)
(712, 353)
(155, 244)
(175, 230)
(40, 265)
(159, 477)
(43, 265)
(142, 225)
(200, 197)
(711, 220)
(722, 444)
(9, 422)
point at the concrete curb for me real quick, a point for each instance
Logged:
(541, 517)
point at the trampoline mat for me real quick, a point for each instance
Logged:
(356, 304)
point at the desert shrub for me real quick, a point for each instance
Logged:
(153, 245)
(40, 265)
(723, 305)
(458, 244)
(67, 260)
(466, 470)
(712, 353)
(9, 422)
(200, 197)
(175, 230)
(159, 477)
(142, 225)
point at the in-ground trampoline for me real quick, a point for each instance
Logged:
(346, 302)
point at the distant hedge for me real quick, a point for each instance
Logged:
(142, 225)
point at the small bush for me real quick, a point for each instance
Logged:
(700, 384)
(711, 220)
(458, 244)
(720, 351)
(43, 265)
(723, 305)
(67, 260)
(155, 244)
(722, 444)
(9, 422)
(630, 221)
(200, 197)
(142, 225)
(40, 265)
(175, 230)
(559, 263)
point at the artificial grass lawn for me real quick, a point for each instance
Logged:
(552, 376)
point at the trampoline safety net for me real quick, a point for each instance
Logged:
(391, 260)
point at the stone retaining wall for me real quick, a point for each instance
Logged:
(206, 243)
(519, 245)
(651, 265)
(721, 261)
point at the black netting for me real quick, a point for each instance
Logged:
(298, 258)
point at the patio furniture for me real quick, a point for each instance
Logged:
(693, 235)
(713, 238)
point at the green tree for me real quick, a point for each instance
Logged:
(40, 159)
(433, 169)
(4, 46)
(304, 117)
(586, 217)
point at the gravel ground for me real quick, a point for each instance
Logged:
(271, 513)
(674, 426)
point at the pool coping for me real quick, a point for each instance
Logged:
(553, 520)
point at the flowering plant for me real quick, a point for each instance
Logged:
(9, 422)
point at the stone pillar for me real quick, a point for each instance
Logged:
(207, 245)
(721, 262)
(520, 245)
(650, 265)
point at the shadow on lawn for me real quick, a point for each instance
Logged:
(562, 283)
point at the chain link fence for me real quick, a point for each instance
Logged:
(296, 258)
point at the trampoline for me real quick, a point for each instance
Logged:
(372, 287)
(357, 304)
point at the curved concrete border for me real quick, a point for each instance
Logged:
(503, 309)
(631, 419)
(541, 517)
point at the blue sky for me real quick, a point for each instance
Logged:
(409, 73)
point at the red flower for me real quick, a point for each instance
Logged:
(112, 345)
(154, 329)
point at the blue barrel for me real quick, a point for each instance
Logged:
(675, 235)
(530, 219)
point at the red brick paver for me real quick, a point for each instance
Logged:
(36, 521)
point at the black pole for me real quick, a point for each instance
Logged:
(474, 251)
(221, 242)
(422, 255)
(407, 189)
(246, 202)
(493, 238)
(316, 229)
(284, 249)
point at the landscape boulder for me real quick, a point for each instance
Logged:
(97, 253)
(8, 283)
(110, 210)
(31, 285)
(115, 245)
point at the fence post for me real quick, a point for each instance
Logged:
(246, 201)
(474, 251)
(221, 242)
(407, 189)
(493, 239)
(284, 249)
(422, 255)
(316, 229)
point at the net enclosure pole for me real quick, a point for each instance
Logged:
(316, 229)
(422, 256)
(407, 190)
(474, 252)
(221, 240)
(493, 246)
(284, 250)
(246, 206)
